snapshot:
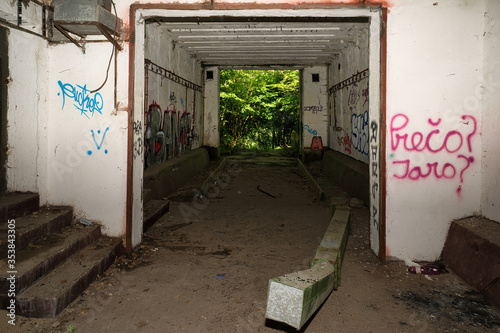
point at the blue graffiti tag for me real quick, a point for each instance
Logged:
(360, 135)
(83, 98)
(98, 145)
(310, 130)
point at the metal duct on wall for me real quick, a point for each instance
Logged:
(86, 17)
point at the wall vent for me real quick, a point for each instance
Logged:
(86, 17)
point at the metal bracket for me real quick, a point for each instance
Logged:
(65, 33)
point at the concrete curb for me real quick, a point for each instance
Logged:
(320, 194)
(294, 298)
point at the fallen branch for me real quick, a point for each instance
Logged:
(269, 194)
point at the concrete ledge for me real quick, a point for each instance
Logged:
(472, 251)
(164, 178)
(264, 160)
(334, 243)
(348, 173)
(295, 297)
(320, 194)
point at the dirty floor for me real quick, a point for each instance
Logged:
(204, 267)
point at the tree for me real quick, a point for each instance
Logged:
(258, 109)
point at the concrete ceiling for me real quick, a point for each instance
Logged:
(227, 42)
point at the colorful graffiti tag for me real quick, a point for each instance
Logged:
(310, 130)
(453, 146)
(166, 133)
(84, 101)
(98, 145)
(360, 135)
(346, 142)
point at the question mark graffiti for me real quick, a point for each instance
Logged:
(469, 160)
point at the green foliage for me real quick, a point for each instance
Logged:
(258, 109)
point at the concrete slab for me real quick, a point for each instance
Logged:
(472, 251)
(334, 242)
(295, 297)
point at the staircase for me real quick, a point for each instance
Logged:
(55, 259)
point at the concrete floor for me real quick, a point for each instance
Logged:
(204, 267)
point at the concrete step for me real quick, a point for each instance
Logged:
(152, 211)
(263, 160)
(16, 204)
(39, 259)
(51, 294)
(35, 227)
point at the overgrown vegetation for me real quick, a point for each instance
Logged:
(259, 109)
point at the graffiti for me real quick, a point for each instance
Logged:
(314, 108)
(310, 130)
(346, 142)
(172, 98)
(365, 94)
(137, 127)
(446, 143)
(375, 169)
(83, 99)
(448, 170)
(359, 128)
(353, 96)
(166, 133)
(138, 147)
(98, 145)
(452, 141)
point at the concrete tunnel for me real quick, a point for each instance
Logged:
(323, 49)
(406, 108)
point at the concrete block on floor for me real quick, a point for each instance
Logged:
(472, 251)
(295, 297)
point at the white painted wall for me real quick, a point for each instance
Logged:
(434, 61)
(31, 15)
(170, 96)
(491, 113)
(87, 142)
(315, 109)
(350, 105)
(27, 112)
(211, 92)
